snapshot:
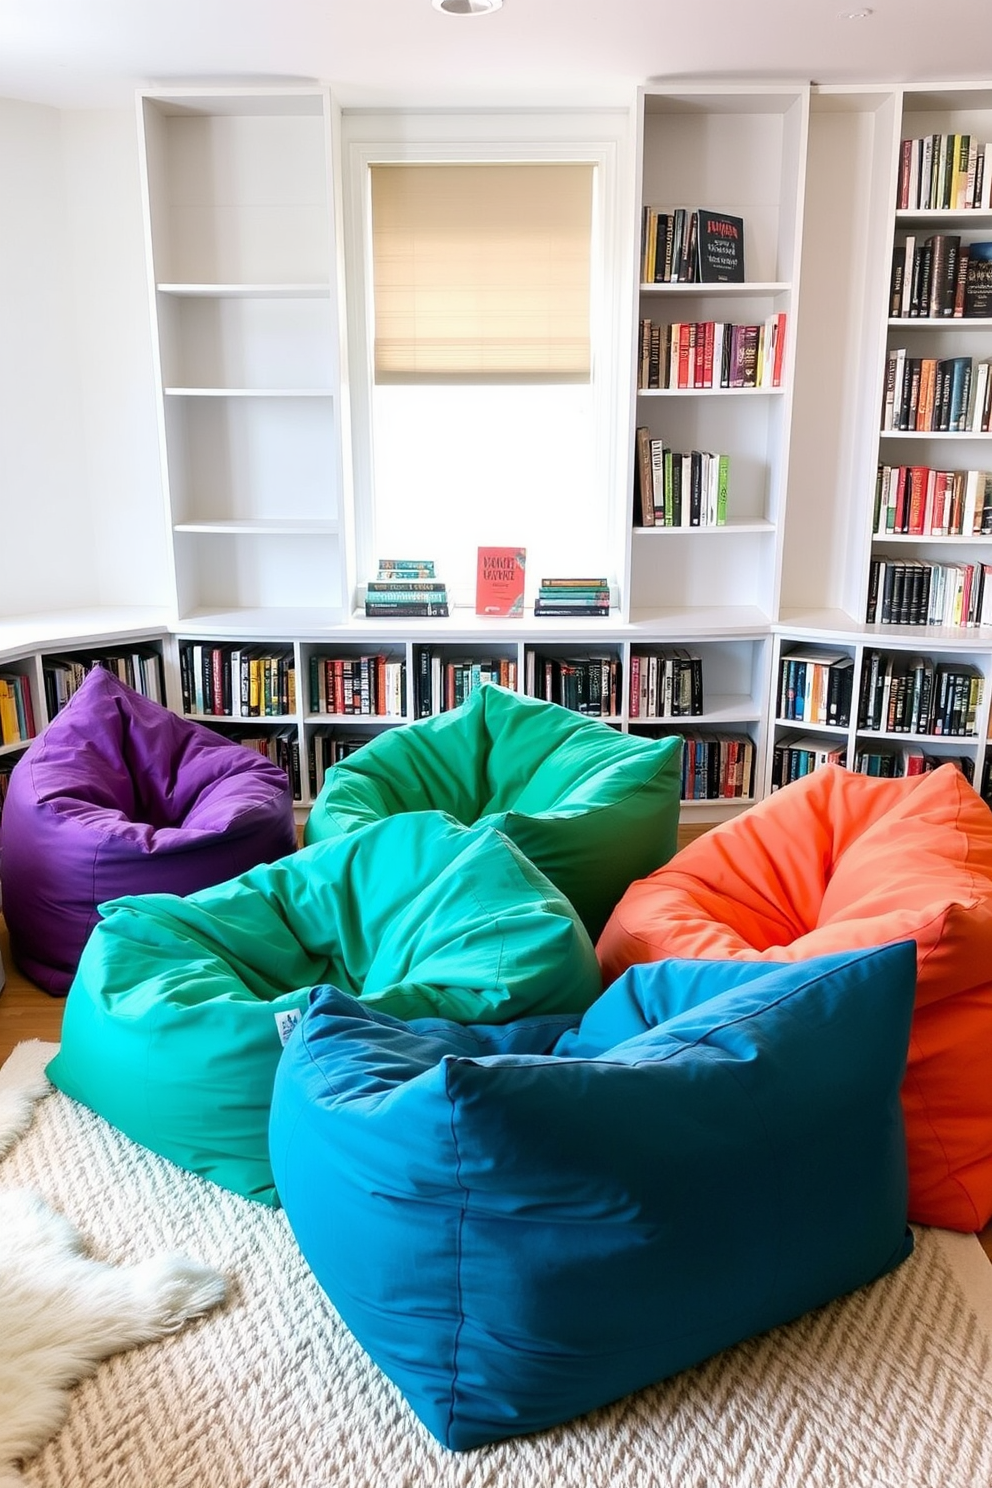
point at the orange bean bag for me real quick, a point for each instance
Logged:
(839, 861)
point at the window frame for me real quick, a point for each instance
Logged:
(603, 137)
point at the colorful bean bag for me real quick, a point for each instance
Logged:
(522, 1223)
(173, 1025)
(842, 860)
(591, 807)
(118, 796)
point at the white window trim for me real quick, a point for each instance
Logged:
(604, 137)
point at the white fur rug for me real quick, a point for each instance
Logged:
(888, 1388)
(62, 1311)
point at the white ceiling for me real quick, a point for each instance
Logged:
(94, 53)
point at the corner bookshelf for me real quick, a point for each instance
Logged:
(741, 150)
(833, 538)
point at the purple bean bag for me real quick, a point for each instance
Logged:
(121, 796)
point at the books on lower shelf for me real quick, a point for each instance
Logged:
(281, 746)
(579, 596)
(588, 684)
(406, 588)
(667, 683)
(222, 679)
(139, 667)
(371, 685)
(796, 756)
(17, 721)
(815, 686)
(908, 760)
(675, 489)
(697, 355)
(442, 682)
(910, 694)
(325, 748)
(717, 767)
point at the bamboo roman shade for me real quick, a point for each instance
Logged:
(482, 270)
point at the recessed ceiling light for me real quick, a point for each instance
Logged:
(855, 15)
(467, 7)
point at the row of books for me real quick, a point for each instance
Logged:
(816, 687)
(225, 680)
(683, 245)
(936, 394)
(442, 684)
(17, 722)
(896, 764)
(140, 668)
(940, 277)
(913, 592)
(666, 684)
(576, 596)
(906, 694)
(675, 489)
(717, 767)
(794, 757)
(372, 685)
(6, 766)
(950, 172)
(711, 354)
(586, 684)
(326, 747)
(406, 588)
(281, 746)
(923, 502)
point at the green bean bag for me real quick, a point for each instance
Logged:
(175, 1021)
(593, 808)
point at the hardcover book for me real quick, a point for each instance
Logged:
(978, 280)
(499, 582)
(719, 247)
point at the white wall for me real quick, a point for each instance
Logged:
(45, 533)
(113, 357)
(81, 519)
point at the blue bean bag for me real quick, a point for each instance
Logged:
(522, 1223)
(172, 1025)
(593, 809)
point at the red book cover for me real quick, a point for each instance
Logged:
(499, 582)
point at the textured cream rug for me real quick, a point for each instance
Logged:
(889, 1388)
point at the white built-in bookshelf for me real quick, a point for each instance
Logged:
(243, 241)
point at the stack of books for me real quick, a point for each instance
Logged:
(404, 588)
(573, 597)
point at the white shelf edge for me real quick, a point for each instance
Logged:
(242, 392)
(270, 291)
(753, 287)
(732, 529)
(940, 322)
(261, 527)
(711, 392)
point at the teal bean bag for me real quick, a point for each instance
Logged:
(173, 1025)
(593, 808)
(522, 1223)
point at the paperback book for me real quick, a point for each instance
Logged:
(499, 582)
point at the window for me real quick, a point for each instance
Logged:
(482, 271)
(484, 355)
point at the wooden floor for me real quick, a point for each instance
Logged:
(28, 1013)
